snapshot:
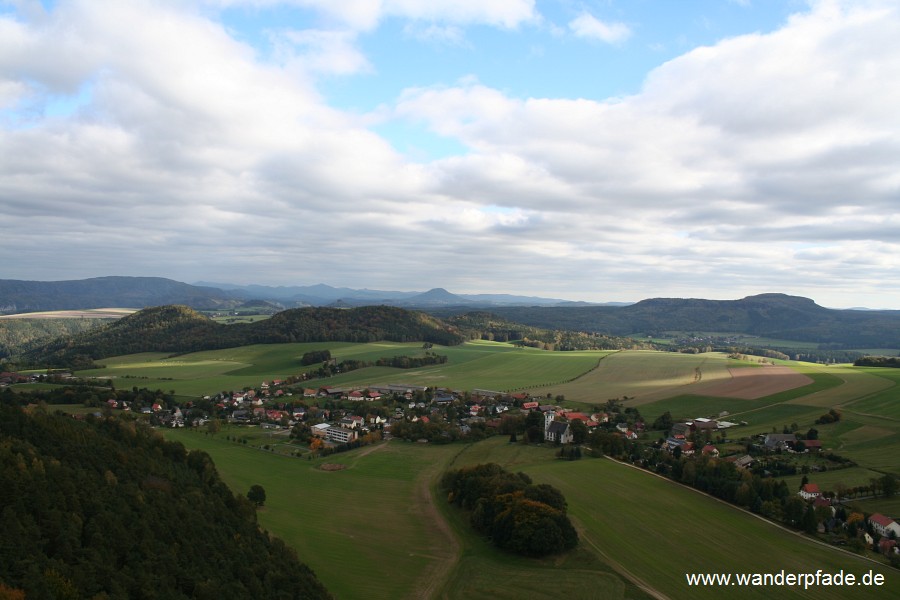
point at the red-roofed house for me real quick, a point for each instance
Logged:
(813, 445)
(577, 416)
(883, 525)
(809, 491)
(710, 450)
(530, 405)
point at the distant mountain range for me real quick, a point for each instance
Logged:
(766, 315)
(18, 296)
(325, 295)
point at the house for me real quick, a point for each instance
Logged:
(558, 431)
(710, 450)
(577, 416)
(530, 405)
(887, 547)
(742, 462)
(822, 501)
(355, 395)
(883, 525)
(682, 429)
(674, 442)
(705, 425)
(813, 445)
(779, 441)
(352, 422)
(809, 491)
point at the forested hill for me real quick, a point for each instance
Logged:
(107, 509)
(768, 315)
(179, 329)
(18, 296)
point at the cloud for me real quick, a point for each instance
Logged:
(588, 26)
(365, 15)
(323, 51)
(760, 162)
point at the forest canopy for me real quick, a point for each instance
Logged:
(105, 508)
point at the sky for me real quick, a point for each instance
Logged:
(594, 150)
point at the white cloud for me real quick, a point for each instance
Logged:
(588, 26)
(440, 34)
(325, 51)
(742, 163)
(365, 15)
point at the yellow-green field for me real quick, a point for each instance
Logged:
(644, 376)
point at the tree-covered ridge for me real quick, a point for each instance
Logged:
(107, 509)
(179, 329)
(768, 315)
(22, 335)
(516, 514)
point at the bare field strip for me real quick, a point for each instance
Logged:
(91, 313)
(750, 384)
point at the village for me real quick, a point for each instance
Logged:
(317, 421)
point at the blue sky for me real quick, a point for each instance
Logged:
(598, 150)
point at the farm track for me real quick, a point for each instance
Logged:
(620, 568)
(434, 578)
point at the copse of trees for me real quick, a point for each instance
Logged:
(516, 514)
(315, 356)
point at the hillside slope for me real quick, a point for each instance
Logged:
(134, 517)
(100, 292)
(179, 329)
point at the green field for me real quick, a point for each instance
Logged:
(380, 529)
(641, 534)
(488, 365)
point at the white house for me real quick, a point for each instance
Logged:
(883, 525)
(809, 491)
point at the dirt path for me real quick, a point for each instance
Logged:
(433, 578)
(624, 572)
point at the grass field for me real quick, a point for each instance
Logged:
(489, 365)
(379, 515)
(374, 529)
